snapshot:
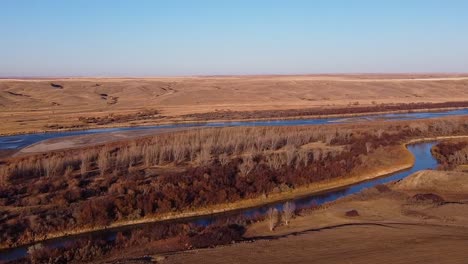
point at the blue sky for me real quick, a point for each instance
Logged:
(176, 37)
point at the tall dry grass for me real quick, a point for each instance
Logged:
(199, 147)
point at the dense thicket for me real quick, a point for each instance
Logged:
(450, 154)
(147, 238)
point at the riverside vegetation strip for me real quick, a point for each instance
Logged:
(194, 171)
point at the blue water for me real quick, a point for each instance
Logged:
(20, 141)
(423, 160)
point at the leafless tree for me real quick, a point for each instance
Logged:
(223, 159)
(272, 218)
(274, 161)
(204, 157)
(51, 166)
(290, 154)
(34, 252)
(317, 153)
(302, 157)
(368, 147)
(288, 211)
(68, 171)
(4, 173)
(247, 166)
(103, 161)
(149, 155)
(379, 133)
(165, 154)
(179, 153)
(84, 167)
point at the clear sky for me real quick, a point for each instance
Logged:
(202, 37)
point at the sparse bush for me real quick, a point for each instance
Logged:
(352, 213)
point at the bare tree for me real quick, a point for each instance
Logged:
(103, 161)
(247, 166)
(379, 133)
(368, 147)
(51, 166)
(179, 153)
(149, 155)
(4, 173)
(317, 154)
(274, 161)
(290, 154)
(34, 252)
(303, 157)
(288, 211)
(204, 157)
(223, 159)
(272, 218)
(84, 167)
(68, 171)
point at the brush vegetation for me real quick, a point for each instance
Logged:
(94, 187)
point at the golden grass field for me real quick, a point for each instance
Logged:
(30, 105)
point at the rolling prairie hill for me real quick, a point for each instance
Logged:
(28, 105)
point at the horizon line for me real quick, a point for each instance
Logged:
(44, 77)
